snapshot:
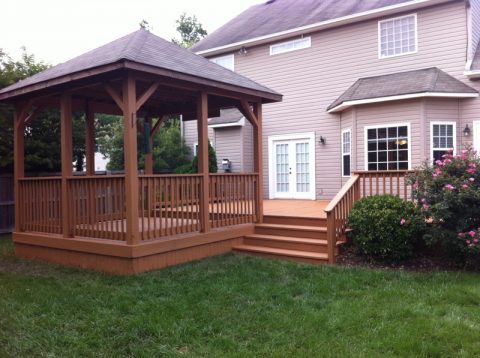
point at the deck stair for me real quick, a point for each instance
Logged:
(287, 237)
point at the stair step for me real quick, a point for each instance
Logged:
(299, 240)
(312, 232)
(294, 220)
(289, 243)
(292, 254)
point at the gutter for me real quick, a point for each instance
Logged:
(340, 21)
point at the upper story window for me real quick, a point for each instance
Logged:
(397, 36)
(292, 45)
(346, 152)
(443, 139)
(227, 61)
(388, 147)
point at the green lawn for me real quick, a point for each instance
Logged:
(236, 306)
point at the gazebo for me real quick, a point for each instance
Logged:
(134, 222)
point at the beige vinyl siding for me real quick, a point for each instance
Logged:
(190, 134)
(229, 145)
(475, 25)
(311, 79)
(247, 155)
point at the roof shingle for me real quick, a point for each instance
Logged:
(428, 80)
(145, 48)
(227, 116)
(281, 15)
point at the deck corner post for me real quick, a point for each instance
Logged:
(331, 237)
(131, 164)
(258, 159)
(67, 161)
(203, 167)
(90, 141)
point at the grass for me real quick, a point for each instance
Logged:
(236, 306)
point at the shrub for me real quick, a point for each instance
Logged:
(385, 227)
(192, 167)
(448, 193)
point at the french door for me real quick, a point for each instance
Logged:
(293, 161)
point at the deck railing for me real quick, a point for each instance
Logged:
(360, 184)
(233, 199)
(97, 207)
(169, 204)
(41, 205)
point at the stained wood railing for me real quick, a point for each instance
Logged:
(40, 204)
(361, 184)
(233, 199)
(169, 204)
(97, 207)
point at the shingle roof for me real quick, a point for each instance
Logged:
(428, 80)
(227, 116)
(281, 15)
(148, 49)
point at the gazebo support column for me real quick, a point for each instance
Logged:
(18, 162)
(149, 154)
(90, 141)
(258, 158)
(131, 166)
(67, 160)
(202, 127)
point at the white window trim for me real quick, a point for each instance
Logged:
(454, 136)
(348, 130)
(409, 137)
(271, 170)
(195, 148)
(379, 35)
(230, 57)
(308, 39)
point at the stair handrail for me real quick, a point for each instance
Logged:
(337, 213)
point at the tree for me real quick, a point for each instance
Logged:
(191, 31)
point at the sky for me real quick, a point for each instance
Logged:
(58, 30)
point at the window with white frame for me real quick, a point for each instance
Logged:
(292, 45)
(397, 36)
(443, 139)
(195, 149)
(227, 61)
(387, 147)
(346, 152)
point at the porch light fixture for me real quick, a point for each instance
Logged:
(323, 140)
(243, 51)
(466, 131)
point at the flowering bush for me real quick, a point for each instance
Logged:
(384, 227)
(448, 194)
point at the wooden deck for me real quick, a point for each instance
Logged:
(295, 208)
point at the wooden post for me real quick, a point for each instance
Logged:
(258, 159)
(67, 159)
(331, 236)
(131, 166)
(90, 142)
(202, 127)
(149, 155)
(19, 165)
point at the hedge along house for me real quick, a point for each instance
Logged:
(132, 223)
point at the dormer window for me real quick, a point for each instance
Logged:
(227, 61)
(397, 36)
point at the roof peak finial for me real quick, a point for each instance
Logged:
(144, 25)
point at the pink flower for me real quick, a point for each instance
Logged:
(471, 170)
(438, 162)
(475, 241)
(472, 165)
(434, 175)
(447, 161)
(425, 206)
(449, 187)
(464, 186)
(402, 222)
(471, 179)
(471, 233)
(461, 234)
(468, 242)
(423, 200)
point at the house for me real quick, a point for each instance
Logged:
(368, 85)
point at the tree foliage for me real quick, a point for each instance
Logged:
(191, 31)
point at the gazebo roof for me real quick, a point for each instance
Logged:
(143, 51)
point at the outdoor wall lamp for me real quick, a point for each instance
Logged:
(466, 131)
(322, 140)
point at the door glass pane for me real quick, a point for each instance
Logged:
(282, 168)
(302, 167)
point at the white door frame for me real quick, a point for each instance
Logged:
(476, 136)
(310, 136)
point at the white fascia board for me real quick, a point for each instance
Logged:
(343, 106)
(472, 74)
(239, 123)
(339, 21)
